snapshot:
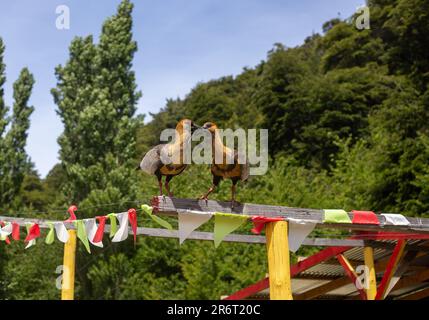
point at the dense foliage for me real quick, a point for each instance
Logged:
(347, 114)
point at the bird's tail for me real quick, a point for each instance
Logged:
(138, 168)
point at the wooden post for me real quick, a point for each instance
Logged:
(67, 291)
(396, 256)
(371, 291)
(278, 260)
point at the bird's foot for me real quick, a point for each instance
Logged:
(204, 197)
(234, 204)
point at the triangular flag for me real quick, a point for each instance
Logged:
(81, 234)
(155, 218)
(189, 221)
(31, 242)
(396, 219)
(50, 237)
(132, 217)
(225, 223)
(61, 231)
(122, 232)
(98, 237)
(33, 232)
(15, 231)
(298, 232)
(364, 217)
(113, 224)
(6, 229)
(260, 221)
(91, 230)
(336, 216)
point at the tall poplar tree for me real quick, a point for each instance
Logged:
(14, 162)
(3, 120)
(96, 97)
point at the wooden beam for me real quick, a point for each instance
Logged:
(324, 288)
(424, 293)
(351, 273)
(317, 258)
(401, 269)
(69, 261)
(297, 268)
(390, 269)
(371, 281)
(337, 283)
(278, 260)
(412, 280)
(169, 206)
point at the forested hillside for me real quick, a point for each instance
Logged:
(347, 113)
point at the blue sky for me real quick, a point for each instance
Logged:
(181, 42)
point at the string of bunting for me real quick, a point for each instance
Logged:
(89, 232)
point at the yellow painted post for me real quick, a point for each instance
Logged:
(67, 291)
(278, 260)
(371, 291)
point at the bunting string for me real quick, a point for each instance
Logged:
(91, 231)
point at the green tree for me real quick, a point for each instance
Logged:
(96, 97)
(16, 138)
(14, 162)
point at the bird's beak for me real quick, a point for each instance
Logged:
(194, 127)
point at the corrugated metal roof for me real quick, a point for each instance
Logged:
(327, 271)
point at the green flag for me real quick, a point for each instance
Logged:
(51, 234)
(162, 222)
(225, 223)
(113, 224)
(336, 216)
(81, 234)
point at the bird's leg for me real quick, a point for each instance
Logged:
(232, 195)
(205, 196)
(160, 186)
(167, 187)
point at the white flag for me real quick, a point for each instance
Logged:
(189, 221)
(298, 231)
(122, 232)
(61, 231)
(6, 230)
(91, 229)
(396, 219)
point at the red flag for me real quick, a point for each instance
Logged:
(15, 231)
(71, 211)
(33, 233)
(98, 237)
(364, 217)
(132, 217)
(260, 221)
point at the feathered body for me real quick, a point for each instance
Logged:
(235, 171)
(152, 162)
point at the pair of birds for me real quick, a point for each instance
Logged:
(152, 162)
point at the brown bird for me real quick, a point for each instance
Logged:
(152, 161)
(234, 171)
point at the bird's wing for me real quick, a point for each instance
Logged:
(245, 171)
(151, 162)
(244, 167)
